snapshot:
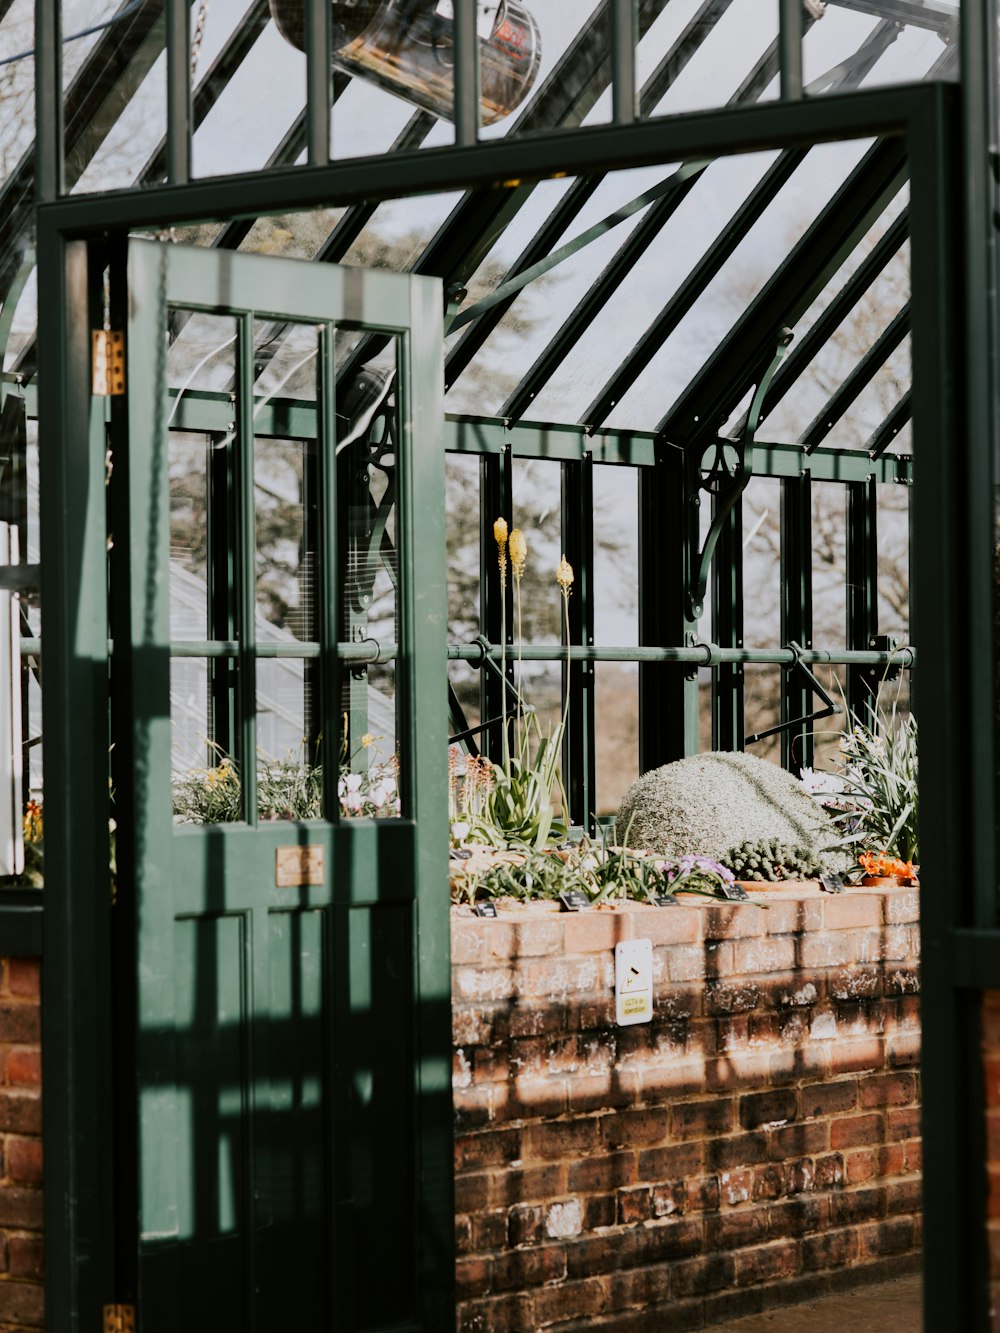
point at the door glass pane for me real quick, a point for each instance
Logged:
(290, 741)
(204, 676)
(367, 437)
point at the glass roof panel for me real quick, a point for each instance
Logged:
(731, 291)
(17, 85)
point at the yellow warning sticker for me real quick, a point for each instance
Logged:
(635, 1004)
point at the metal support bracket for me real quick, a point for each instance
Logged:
(728, 476)
(831, 709)
(486, 661)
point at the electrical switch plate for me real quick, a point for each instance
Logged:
(633, 982)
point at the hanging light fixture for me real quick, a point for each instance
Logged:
(407, 48)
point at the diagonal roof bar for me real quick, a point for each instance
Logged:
(743, 353)
(554, 227)
(694, 284)
(890, 427)
(931, 14)
(802, 352)
(858, 380)
(215, 81)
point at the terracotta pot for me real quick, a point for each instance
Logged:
(881, 881)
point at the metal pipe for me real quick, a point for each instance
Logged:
(790, 45)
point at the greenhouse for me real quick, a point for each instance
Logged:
(489, 491)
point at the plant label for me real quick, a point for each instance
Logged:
(666, 900)
(574, 900)
(832, 883)
(295, 867)
(735, 893)
(485, 909)
(633, 982)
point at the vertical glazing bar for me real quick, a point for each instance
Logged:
(328, 606)
(624, 36)
(49, 183)
(76, 1010)
(578, 544)
(796, 615)
(496, 501)
(791, 49)
(423, 732)
(178, 92)
(980, 40)
(728, 709)
(319, 81)
(246, 581)
(951, 453)
(668, 694)
(862, 591)
(467, 81)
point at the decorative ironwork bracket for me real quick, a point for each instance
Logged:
(831, 710)
(728, 477)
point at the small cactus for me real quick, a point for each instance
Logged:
(772, 860)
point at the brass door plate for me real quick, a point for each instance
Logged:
(296, 866)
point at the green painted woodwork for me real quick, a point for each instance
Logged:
(292, 1045)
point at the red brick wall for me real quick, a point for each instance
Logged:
(21, 1303)
(757, 1142)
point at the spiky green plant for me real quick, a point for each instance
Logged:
(880, 789)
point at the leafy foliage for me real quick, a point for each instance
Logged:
(604, 873)
(877, 805)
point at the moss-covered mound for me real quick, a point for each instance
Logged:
(709, 803)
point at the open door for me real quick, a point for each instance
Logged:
(283, 1069)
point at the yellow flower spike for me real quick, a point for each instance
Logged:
(518, 552)
(500, 536)
(565, 576)
(366, 740)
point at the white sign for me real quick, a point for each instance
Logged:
(633, 982)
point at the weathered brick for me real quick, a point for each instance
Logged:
(888, 1089)
(24, 1160)
(561, 1138)
(855, 983)
(773, 953)
(488, 1231)
(682, 1159)
(895, 1235)
(570, 1300)
(467, 941)
(761, 1108)
(734, 1228)
(860, 1166)
(856, 1130)
(472, 1277)
(828, 1170)
(802, 1140)
(533, 939)
(853, 909)
(21, 1208)
(767, 1263)
(825, 1099)
(497, 1314)
(903, 1123)
(20, 1112)
(857, 1205)
(526, 1224)
(631, 1129)
(696, 1277)
(596, 932)
(700, 1119)
(523, 1268)
(635, 1204)
(607, 1171)
(527, 1184)
(670, 1200)
(831, 1249)
(22, 1304)
(24, 977)
(797, 1217)
(20, 1022)
(731, 997)
(737, 1150)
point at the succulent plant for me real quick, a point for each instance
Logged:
(709, 803)
(772, 860)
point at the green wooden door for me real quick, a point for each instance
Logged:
(288, 1125)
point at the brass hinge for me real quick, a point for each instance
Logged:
(108, 350)
(119, 1319)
